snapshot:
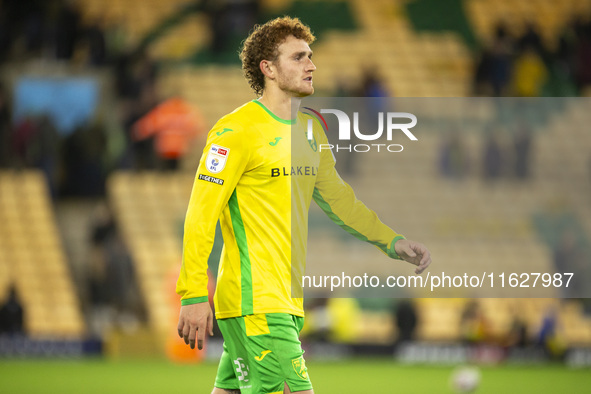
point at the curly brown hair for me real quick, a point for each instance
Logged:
(262, 44)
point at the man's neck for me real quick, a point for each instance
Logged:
(280, 104)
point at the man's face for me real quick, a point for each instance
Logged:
(295, 67)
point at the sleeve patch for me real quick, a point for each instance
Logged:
(216, 158)
(211, 179)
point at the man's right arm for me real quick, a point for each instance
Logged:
(224, 160)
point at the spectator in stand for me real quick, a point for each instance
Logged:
(567, 252)
(529, 73)
(372, 84)
(45, 152)
(493, 157)
(173, 125)
(500, 61)
(5, 39)
(115, 40)
(571, 256)
(67, 30)
(522, 144)
(11, 314)
(134, 73)
(13, 15)
(112, 284)
(517, 336)
(481, 84)
(135, 79)
(97, 275)
(406, 321)
(453, 162)
(35, 27)
(35, 143)
(319, 318)
(141, 152)
(83, 155)
(474, 326)
(531, 40)
(374, 88)
(548, 337)
(95, 38)
(5, 128)
(563, 58)
(583, 57)
(344, 87)
(229, 19)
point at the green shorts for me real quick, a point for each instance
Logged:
(262, 353)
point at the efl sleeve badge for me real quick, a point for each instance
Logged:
(216, 158)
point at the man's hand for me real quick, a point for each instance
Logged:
(195, 319)
(414, 252)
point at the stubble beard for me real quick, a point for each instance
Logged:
(291, 86)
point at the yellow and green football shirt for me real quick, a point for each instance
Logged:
(249, 181)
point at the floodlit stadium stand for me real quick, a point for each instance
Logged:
(427, 64)
(514, 231)
(33, 259)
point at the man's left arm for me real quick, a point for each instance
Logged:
(337, 199)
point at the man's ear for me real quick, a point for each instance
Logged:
(267, 69)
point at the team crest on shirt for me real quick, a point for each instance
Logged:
(216, 158)
(299, 366)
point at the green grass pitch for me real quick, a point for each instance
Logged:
(342, 377)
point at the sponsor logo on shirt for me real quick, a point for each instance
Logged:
(224, 131)
(273, 143)
(216, 158)
(262, 356)
(211, 179)
(298, 170)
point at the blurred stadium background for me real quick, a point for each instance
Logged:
(104, 109)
